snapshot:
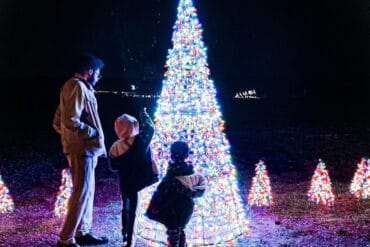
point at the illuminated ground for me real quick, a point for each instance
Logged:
(32, 168)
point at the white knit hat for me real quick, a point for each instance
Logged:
(126, 126)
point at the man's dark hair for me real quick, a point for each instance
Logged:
(86, 61)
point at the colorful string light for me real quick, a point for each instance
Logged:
(188, 111)
(360, 186)
(260, 193)
(65, 191)
(320, 190)
(6, 201)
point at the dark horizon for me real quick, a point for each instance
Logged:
(315, 51)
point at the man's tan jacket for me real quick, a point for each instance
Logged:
(77, 120)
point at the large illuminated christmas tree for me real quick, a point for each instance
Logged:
(360, 186)
(320, 190)
(6, 201)
(260, 192)
(64, 193)
(188, 111)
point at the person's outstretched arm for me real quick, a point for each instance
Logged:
(147, 126)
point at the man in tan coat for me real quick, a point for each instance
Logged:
(77, 121)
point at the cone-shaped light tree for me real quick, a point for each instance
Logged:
(6, 201)
(65, 191)
(360, 186)
(260, 192)
(188, 111)
(320, 190)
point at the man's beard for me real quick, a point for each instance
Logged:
(91, 81)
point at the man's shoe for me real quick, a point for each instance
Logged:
(90, 239)
(59, 244)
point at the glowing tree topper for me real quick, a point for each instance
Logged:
(320, 190)
(188, 111)
(360, 186)
(6, 201)
(260, 192)
(65, 191)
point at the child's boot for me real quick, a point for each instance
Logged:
(173, 237)
(124, 236)
(182, 242)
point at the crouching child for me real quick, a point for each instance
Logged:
(172, 203)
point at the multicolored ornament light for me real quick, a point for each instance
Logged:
(65, 191)
(260, 193)
(320, 190)
(188, 111)
(360, 186)
(6, 201)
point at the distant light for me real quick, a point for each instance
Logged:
(133, 87)
(128, 94)
(247, 94)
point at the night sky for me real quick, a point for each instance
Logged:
(317, 50)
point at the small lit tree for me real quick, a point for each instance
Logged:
(65, 191)
(260, 192)
(320, 190)
(6, 201)
(360, 186)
